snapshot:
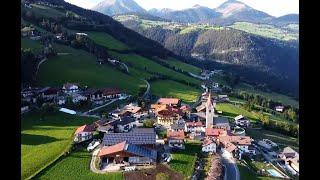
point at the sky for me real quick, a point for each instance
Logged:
(272, 7)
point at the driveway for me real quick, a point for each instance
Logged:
(231, 168)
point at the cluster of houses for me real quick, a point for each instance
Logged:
(72, 91)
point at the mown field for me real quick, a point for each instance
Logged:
(44, 140)
(33, 45)
(75, 166)
(81, 67)
(106, 40)
(246, 174)
(231, 111)
(166, 88)
(183, 161)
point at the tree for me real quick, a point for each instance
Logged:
(148, 123)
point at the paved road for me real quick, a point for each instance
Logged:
(43, 60)
(125, 66)
(148, 89)
(112, 101)
(231, 168)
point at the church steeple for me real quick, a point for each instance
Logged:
(209, 111)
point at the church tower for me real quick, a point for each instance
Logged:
(209, 112)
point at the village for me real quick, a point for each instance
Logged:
(131, 138)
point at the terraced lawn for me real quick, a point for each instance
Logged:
(107, 40)
(183, 161)
(44, 140)
(232, 111)
(81, 67)
(167, 88)
(75, 166)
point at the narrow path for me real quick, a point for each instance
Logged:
(43, 60)
(112, 101)
(93, 167)
(125, 66)
(148, 89)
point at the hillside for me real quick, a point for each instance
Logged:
(261, 48)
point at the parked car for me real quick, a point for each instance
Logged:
(93, 145)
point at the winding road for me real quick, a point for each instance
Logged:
(148, 89)
(112, 101)
(231, 168)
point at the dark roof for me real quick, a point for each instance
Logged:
(125, 120)
(134, 137)
(92, 91)
(51, 91)
(220, 120)
(141, 151)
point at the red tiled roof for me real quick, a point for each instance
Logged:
(215, 132)
(85, 128)
(112, 149)
(207, 142)
(194, 124)
(111, 91)
(168, 100)
(175, 134)
(238, 140)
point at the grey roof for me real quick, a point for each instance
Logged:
(125, 120)
(136, 136)
(220, 120)
(141, 151)
(178, 126)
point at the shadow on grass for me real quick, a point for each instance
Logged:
(31, 139)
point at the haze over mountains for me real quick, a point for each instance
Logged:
(227, 13)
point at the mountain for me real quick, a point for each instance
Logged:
(196, 14)
(113, 7)
(224, 46)
(285, 20)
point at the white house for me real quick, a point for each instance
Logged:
(209, 146)
(241, 121)
(175, 139)
(70, 88)
(84, 133)
(279, 108)
(194, 127)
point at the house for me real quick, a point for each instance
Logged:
(124, 124)
(279, 108)
(60, 100)
(50, 93)
(84, 133)
(24, 109)
(126, 152)
(221, 123)
(76, 98)
(103, 126)
(175, 139)
(70, 88)
(79, 36)
(223, 98)
(168, 115)
(145, 137)
(242, 121)
(215, 133)
(93, 94)
(209, 146)
(175, 102)
(111, 93)
(27, 31)
(179, 126)
(232, 143)
(291, 158)
(194, 127)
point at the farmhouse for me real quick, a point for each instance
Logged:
(175, 102)
(139, 136)
(127, 152)
(209, 146)
(84, 133)
(175, 139)
(241, 121)
(70, 88)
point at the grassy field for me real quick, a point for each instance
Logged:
(181, 65)
(81, 67)
(142, 63)
(45, 11)
(246, 174)
(33, 45)
(75, 166)
(265, 30)
(274, 96)
(106, 40)
(42, 141)
(166, 88)
(232, 111)
(280, 139)
(183, 161)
